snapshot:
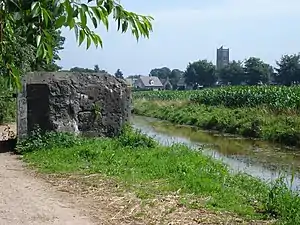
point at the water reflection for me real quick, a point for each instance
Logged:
(254, 157)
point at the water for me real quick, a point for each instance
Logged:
(257, 158)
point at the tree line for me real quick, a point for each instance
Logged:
(252, 71)
(118, 74)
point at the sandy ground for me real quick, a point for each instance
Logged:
(27, 200)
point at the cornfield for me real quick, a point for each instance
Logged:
(163, 95)
(276, 97)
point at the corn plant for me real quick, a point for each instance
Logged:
(274, 97)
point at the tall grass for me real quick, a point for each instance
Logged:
(151, 169)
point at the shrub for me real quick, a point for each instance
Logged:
(46, 141)
(7, 104)
(133, 138)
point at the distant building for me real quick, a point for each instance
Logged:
(181, 85)
(222, 57)
(149, 83)
(167, 84)
(131, 82)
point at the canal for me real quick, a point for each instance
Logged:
(256, 158)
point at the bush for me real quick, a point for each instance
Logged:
(49, 140)
(132, 138)
(7, 104)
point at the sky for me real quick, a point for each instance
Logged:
(189, 30)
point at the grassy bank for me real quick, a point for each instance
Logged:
(138, 163)
(246, 121)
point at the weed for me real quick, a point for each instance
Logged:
(132, 138)
(39, 141)
(283, 203)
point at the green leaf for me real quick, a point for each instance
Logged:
(118, 15)
(76, 32)
(147, 23)
(84, 7)
(50, 51)
(88, 42)
(58, 10)
(96, 12)
(135, 33)
(95, 40)
(72, 23)
(99, 2)
(104, 16)
(109, 5)
(104, 20)
(48, 36)
(38, 40)
(140, 28)
(15, 73)
(69, 10)
(39, 52)
(99, 40)
(45, 53)
(60, 22)
(75, 13)
(46, 16)
(119, 23)
(124, 26)
(83, 17)
(95, 22)
(35, 9)
(81, 36)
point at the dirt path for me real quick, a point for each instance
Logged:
(27, 200)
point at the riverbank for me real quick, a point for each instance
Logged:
(257, 158)
(248, 121)
(137, 164)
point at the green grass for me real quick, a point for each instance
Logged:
(247, 122)
(151, 169)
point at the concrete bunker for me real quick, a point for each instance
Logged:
(95, 104)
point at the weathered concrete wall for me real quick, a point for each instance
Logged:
(92, 104)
